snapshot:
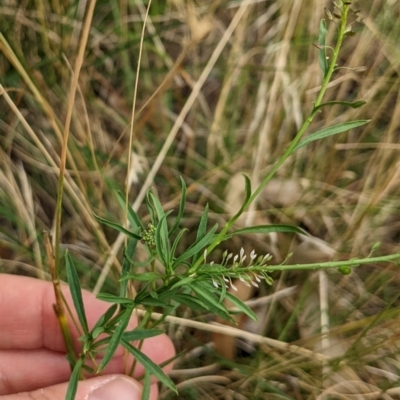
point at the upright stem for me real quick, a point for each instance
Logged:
(300, 133)
(55, 261)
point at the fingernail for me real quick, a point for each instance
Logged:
(120, 388)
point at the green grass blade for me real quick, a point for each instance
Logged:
(332, 130)
(76, 291)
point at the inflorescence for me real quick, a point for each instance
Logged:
(251, 274)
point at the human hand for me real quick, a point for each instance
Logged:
(32, 350)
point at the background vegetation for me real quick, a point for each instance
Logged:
(343, 190)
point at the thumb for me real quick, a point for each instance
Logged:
(107, 387)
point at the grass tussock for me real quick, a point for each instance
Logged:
(223, 87)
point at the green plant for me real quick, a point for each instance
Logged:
(189, 278)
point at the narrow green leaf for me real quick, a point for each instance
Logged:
(162, 242)
(268, 229)
(76, 292)
(126, 265)
(176, 242)
(138, 264)
(190, 301)
(73, 381)
(201, 230)
(323, 63)
(209, 299)
(241, 306)
(157, 206)
(105, 317)
(133, 218)
(354, 104)
(144, 277)
(181, 208)
(149, 365)
(150, 207)
(116, 338)
(141, 334)
(182, 282)
(111, 298)
(332, 130)
(146, 386)
(117, 227)
(196, 248)
(247, 195)
(151, 302)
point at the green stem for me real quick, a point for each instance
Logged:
(325, 82)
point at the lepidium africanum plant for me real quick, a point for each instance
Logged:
(188, 278)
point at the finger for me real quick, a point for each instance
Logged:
(26, 370)
(28, 318)
(115, 387)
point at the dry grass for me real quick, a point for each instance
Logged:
(222, 89)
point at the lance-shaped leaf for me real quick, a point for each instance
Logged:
(197, 247)
(241, 306)
(207, 296)
(330, 131)
(268, 229)
(144, 277)
(76, 292)
(126, 265)
(149, 365)
(111, 298)
(146, 386)
(133, 218)
(116, 338)
(117, 227)
(162, 242)
(247, 195)
(201, 230)
(353, 104)
(73, 380)
(181, 208)
(141, 334)
(323, 63)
